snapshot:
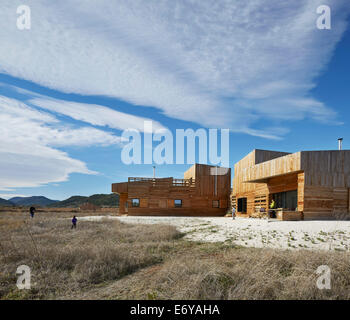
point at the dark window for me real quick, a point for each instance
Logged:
(286, 200)
(178, 203)
(135, 202)
(242, 205)
(216, 203)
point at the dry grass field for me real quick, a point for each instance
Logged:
(109, 259)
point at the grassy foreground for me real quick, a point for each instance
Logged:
(113, 260)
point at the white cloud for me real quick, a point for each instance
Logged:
(11, 195)
(28, 138)
(219, 63)
(32, 170)
(94, 114)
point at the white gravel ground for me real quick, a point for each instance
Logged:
(315, 235)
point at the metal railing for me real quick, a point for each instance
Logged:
(138, 179)
(161, 181)
(183, 182)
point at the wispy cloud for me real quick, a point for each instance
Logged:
(218, 63)
(28, 156)
(29, 138)
(94, 114)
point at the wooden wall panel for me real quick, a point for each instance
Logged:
(163, 203)
(279, 166)
(143, 203)
(198, 212)
(197, 192)
(326, 168)
(340, 203)
(171, 203)
(223, 203)
(120, 187)
(322, 179)
(318, 199)
(283, 183)
(123, 198)
(301, 187)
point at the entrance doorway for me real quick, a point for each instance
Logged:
(242, 205)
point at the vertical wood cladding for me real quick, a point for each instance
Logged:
(321, 178)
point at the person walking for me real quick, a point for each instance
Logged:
(74, 222)
(233, 213)
(32, 211)
(272, 210)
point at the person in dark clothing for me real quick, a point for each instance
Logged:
(32, 211)
(74, 222)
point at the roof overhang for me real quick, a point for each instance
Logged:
(266, 179)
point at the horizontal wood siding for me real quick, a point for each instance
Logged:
(197, 193)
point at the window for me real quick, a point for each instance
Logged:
(177, 203)
(286, 200)
(242, 205)
(216, 203)
(135, 202)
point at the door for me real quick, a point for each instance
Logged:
(242, 205)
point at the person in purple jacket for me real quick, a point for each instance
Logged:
(74, 222)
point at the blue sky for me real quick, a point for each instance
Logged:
(85, 72)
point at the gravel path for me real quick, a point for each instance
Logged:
(322, 235)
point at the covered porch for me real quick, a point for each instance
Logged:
(285, 191)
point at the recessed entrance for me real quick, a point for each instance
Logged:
(286, 200)
(242, 205)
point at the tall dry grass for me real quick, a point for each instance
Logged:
(253, 274)
(65, 261)
(219, 271)
(109, 259)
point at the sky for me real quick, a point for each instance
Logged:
(86, 71)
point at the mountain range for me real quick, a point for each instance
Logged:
(108, 200)
(29, 201)
(6, 203)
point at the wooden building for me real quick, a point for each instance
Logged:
(204, 191)
(304, 185)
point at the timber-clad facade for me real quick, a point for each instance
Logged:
(204, 191)
(305, 185)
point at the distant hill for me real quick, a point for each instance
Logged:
(6, 203)
(31, 201)
(108, 200)
(72, 202)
